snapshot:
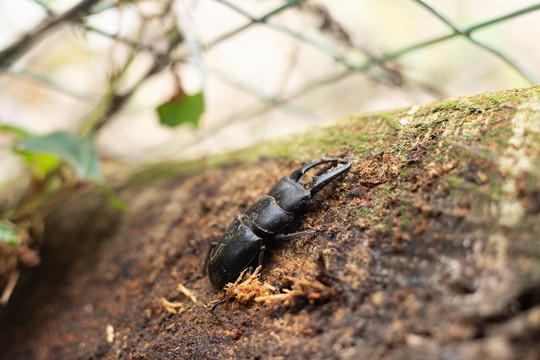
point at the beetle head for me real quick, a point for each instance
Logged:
(293, 195)
(318, 182)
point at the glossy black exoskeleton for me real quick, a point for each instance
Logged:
(242, 243)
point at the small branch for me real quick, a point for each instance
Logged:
(113, 101)
(504, 17)
(133, 44)
(528, 76)
(468, 31)
(12, 53)
(440, 16)
(254, 20)
(457, 31)
(45, 7)
(31, 76)
(8, 290)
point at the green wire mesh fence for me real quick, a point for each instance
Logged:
(265, 67)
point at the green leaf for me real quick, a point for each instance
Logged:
(186, 110)
(114, 200)
(7, 234)
(79, 152)
(15, 130)
(41, 164)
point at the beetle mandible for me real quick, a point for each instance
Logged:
(242, 243)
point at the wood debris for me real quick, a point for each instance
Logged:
(247, 287)
(308, 289)
(188, 293)
(172, 306)
(109, 331)
(303, 291)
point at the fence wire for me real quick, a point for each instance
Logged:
(169, 37)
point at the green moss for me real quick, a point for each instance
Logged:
(407, 172)
(467, 130)
(404, 210)
(446, 105)
(455, 181)
(460, 188)
(387, 223)
(361, 135)
(391, 121)
(364, 213)
(386, 189)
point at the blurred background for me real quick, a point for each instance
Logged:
(265, 68)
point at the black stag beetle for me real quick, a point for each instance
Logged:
(242, 244)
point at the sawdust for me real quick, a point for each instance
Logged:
(172, 306)
(247, 287)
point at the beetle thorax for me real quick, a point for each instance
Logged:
(290, 195)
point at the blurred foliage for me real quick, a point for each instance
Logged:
(184, 110)
(61, 161)
(8, 234)
(43, 152)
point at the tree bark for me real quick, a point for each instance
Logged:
(427, 248)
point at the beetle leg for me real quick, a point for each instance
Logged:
(293, 235)
(211, 249)
(261, 255)
(216, 305)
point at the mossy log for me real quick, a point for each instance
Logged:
(427, 248)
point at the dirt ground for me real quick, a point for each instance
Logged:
(427, 249)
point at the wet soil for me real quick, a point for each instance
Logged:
(426, 248)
